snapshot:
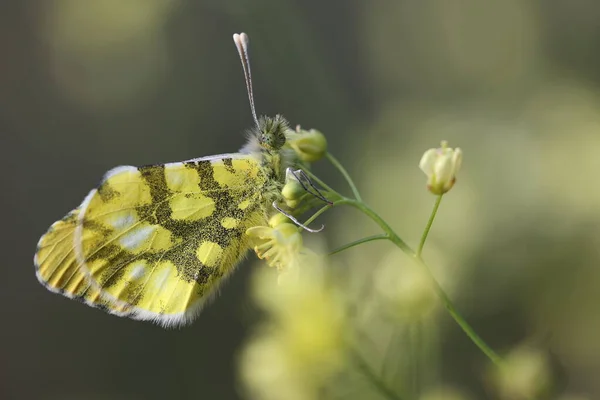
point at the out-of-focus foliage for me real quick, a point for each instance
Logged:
(87, 85)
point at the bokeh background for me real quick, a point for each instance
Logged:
(88, 85)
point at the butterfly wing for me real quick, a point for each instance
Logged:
(152, 243)
(57, 267)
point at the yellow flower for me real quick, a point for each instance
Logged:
(299, 347)
(403, 288)
(525, 375)
(441, 166)
(279, 245)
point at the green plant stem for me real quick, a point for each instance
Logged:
(416, 256)
(379, 221)
(479, 342)
(366, 370)
(429, 223)
(359, 241)
(394, 238)
(343, 171)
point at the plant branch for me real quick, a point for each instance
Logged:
(479, 342)
(359, 241)
(394, 238)
(334, 161)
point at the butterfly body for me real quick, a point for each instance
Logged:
(154, 242)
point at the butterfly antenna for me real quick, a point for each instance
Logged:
(241, 42)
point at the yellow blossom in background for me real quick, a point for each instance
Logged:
(300, 346)
(525, 375)
(441, 166)
(403, 288)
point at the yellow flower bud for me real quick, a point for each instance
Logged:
(292, 203)
(278, 219)
(441, 166)
(292, 190)
(310, 146)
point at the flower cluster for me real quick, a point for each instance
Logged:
(300, 345)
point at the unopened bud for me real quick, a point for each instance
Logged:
(292, 190)
(278, 219)
(441, 166)
(310, 146)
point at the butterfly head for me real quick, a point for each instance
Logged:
(271, 132)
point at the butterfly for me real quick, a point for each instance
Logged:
(154, 242)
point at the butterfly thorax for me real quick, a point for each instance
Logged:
(266, 140)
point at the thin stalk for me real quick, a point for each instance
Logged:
(394, 238)
(438, 200)
(379, 221)
(479, 342)
(359, 241)
(343, 171)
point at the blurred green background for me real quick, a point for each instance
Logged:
(88, 85)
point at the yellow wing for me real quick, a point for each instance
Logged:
(57, 267)
(152, 243)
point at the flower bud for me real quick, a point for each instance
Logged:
(292, 190)
(441, 166)
(310, 146)
(278, 219)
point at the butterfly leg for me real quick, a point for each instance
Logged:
(302, 177)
